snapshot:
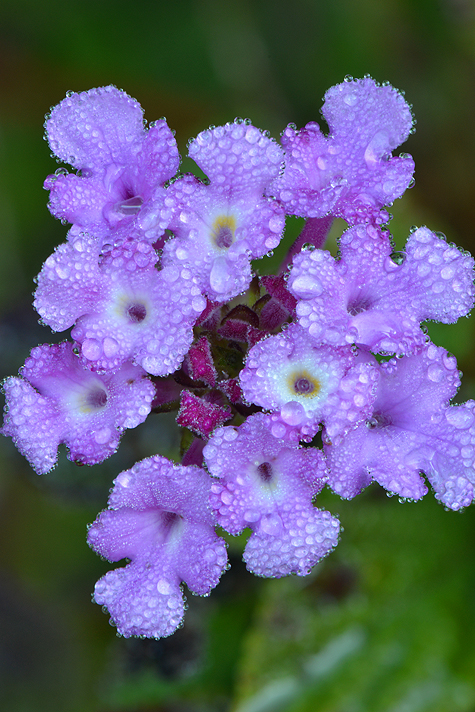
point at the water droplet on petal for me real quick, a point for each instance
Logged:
(460, 417)
(220, 276)
(271, 524)
(251, 515)
(435, 373)
(351, 98)
(91, 349)
(131, 206)
(110, 346)
(307, 286)
(376, 149)
(163, 587)
(102, 436)
(398, 257)
(292, 413)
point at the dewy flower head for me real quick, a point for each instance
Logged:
(150, 278)
(58, 401)
(350, 173)
(307, 383)
(159, 518)
(375, 297)
(219, 227)
(101, 133)
(268, 485)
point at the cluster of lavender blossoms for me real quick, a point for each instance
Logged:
(320, 375)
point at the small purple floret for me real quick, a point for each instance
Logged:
(219, 227)
(376, 297)
(57, 400)
(351, 172)
(268, 485)
(159, 518)
(412, 429)
(122, 306)
(305, 383)
(123, 165)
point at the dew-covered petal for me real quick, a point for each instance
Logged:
(157, 482)
(143, 600)
(95, 127)
(308, 186)
(69, 284)
(450, 464)
(237, 156)
(76, 199)
(126, 533)
(33, 422)
(376, 453)
(202, 559)
(158, 159)
(440, 277)
(306, 535)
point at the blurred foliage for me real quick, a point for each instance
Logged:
(387, 621)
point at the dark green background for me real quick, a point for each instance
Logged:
(387, 622)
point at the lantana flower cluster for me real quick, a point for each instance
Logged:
(317, 376)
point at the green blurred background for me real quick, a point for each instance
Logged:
(387, 622)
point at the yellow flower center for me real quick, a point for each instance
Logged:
(303, 384)
(222, 233)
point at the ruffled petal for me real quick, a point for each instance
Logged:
(237, 157)
(96, 127)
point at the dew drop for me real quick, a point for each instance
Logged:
(398, 257)
(292, 413)
(102, 436)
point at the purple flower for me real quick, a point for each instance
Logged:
(305, 383)
(159, 518)
(219, 227)
(123, 307)
(412, 429)
(58, 401)
(350, 173)
(378, 298)
(101, 132)
(268, 485)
